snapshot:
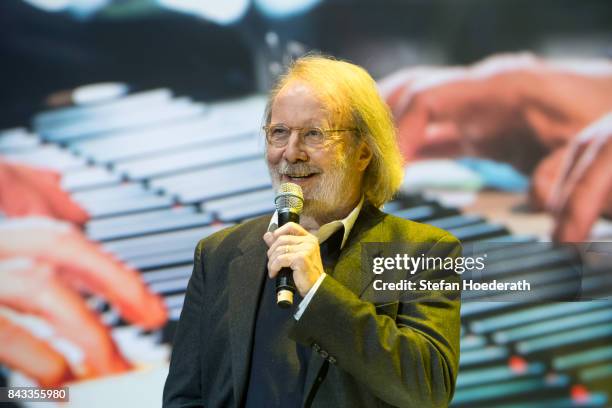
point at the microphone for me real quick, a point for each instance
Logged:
(289, 202)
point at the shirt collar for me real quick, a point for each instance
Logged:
(328, 229)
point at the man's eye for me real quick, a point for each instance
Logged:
(314, 133)
(279, 131)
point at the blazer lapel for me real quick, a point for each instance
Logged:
(246, 276)
(347, 271)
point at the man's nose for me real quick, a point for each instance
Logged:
(295, 149)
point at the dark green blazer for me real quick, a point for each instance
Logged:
(398, 353)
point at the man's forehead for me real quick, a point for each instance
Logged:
(298, 96)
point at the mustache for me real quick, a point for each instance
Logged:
(286, 168)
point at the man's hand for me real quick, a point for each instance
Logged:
(44, 264)
(574, 183)
(26, 190)
(517, 109)
(293, 247)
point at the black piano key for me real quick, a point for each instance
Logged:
(478, 231)
(456, 221)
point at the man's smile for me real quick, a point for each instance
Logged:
(298, 178)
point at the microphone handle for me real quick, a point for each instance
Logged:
(285, 288)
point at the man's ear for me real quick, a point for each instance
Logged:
(364, 156)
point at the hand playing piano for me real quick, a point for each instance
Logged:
(44, 266)
(524, 111)
(25, 190)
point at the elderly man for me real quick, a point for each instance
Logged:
(328, 131)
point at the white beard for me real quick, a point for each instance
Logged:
(325, 199)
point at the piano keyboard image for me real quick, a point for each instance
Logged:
(157, 172)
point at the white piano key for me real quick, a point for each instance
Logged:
(89, 177)
(175, 301)
(170, 286)
(551, 327)
(179, 109)
(17, 139)
(533, 314)
(159, 260)
(242, 200)
(115, 192)
(160, 224)
(248, 109)
(48, 156)
(100, 225)
(125, 104)
(167, 274)
(174, 240)
(245, 212)
(483, 355)
(166, 137)
(192, 157)
(106, 208)
(216, 182)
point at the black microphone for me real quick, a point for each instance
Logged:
(289, 203)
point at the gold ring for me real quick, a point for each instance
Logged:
(286, 249)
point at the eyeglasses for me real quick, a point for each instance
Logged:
(278, 135)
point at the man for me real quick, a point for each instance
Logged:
(328, 131)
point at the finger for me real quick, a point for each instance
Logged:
(279, 261)
(587, 196)
(291, 228)
(78, 259)
(63, 207)
(64, 310)
(544, 178)
(33, 357)
(18, 200)
(442, 139)
(411, 125)
(46, 185)
(284, 242)
(269, 238)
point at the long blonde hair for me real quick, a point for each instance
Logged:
(351, 95)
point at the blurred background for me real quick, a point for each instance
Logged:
(131, 129)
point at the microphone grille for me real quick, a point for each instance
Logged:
(289, 196)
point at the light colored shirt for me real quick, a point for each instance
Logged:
(324, 232)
